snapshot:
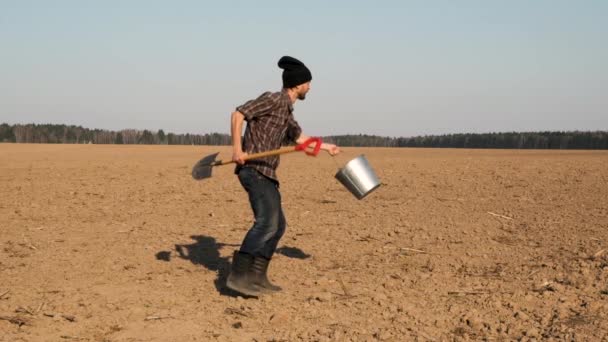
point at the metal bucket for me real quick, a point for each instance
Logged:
(358, 177)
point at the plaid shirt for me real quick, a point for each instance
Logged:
(270, 123)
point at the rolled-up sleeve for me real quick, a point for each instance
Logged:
(263, 105)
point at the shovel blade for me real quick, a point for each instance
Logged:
(202, 169)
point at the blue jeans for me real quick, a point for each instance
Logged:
(269, 226)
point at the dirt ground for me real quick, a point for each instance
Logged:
(119, 243)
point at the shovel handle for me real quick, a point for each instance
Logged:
(301, 147)
(281, 150)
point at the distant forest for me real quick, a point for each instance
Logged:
(64, 134)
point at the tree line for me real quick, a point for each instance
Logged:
(64, 134)
(70, 134)
(506, 140)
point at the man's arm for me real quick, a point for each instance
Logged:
(236, 128)
(330, 148)
(248, 111)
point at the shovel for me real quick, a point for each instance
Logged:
(202, 169)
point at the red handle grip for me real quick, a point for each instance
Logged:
(303, 146)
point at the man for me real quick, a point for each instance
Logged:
(270, 123)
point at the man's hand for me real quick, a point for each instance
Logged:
(331, 149)
(238, 157)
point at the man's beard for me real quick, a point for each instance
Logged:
(301, 96)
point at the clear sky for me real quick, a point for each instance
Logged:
(396, 68)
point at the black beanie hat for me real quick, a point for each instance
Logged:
(294, 72)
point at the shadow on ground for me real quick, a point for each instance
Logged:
(205, 251)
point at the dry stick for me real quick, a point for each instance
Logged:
(70, 318)
(28, 243)
(231, 311)
(4, 293)
(25, 310)
(411, 250)
(478, 292)
(40, 307)
(14, 320)
(467, 292)
(595, 256)
(367, 238)
(546, 286)
(153, 318)
(498, 215)
(344, 287)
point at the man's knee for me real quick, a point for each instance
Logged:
(269, 224)
(282, 225)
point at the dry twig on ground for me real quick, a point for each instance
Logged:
(501, 216)
(346, 293)
(477, 292)
(457, 293)
(230, 311)
(411, 250)
(156, 318)
(40, 307)
(26, 310)
(70, 318)
(15, 320)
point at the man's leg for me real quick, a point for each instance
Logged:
(261, 262)
(271, 245)
(245, 276)
(265, 201)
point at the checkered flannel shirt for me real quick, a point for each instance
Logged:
(270, 124)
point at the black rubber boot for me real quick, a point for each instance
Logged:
(260, 270)
(242, 278)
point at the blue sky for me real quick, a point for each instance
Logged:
(396, 68)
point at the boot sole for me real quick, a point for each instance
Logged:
(265, 289)
(268, 291)
(242, 289)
